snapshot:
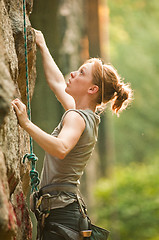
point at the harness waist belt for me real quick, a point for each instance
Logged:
(58, 187)
(49, 192)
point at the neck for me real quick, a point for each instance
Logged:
(85, 105)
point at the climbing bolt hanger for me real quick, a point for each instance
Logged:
(34, 175)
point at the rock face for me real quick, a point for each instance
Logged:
(14, 142)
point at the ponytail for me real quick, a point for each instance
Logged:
(111, 88)
(122, 98)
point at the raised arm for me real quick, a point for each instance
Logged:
(53, 75)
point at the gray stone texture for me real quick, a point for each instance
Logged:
(14, 142)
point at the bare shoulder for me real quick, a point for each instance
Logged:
(74, 118)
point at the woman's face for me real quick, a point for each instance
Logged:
(80, 81)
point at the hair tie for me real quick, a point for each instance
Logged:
(102, 106)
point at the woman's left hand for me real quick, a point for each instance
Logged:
(21, 112)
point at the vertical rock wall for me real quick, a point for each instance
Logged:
(14, 142)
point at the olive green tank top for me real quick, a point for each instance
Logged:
(71, 168)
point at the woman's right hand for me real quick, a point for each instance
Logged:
(39, 38)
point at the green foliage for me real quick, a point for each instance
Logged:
(128, 206)
(134, 42)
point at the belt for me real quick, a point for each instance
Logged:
(48, 193)
(58, 187)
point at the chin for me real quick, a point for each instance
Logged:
(67, 91)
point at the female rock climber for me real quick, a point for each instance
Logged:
(71, 144)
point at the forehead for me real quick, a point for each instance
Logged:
(88, 67)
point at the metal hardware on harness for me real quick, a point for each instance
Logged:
(39, 202)
(45, 196)
(41, 215)
(43, 219)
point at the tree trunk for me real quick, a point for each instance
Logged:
(98, 37)
(14, 142)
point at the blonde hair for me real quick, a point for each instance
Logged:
(111, 87)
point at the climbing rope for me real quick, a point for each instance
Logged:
(34, 175)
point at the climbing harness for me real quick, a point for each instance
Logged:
(34, 175)
(45, 202)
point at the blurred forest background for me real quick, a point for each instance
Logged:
(120, 184)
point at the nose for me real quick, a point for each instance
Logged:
(72, 74)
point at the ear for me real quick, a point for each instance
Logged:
(93, 89)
